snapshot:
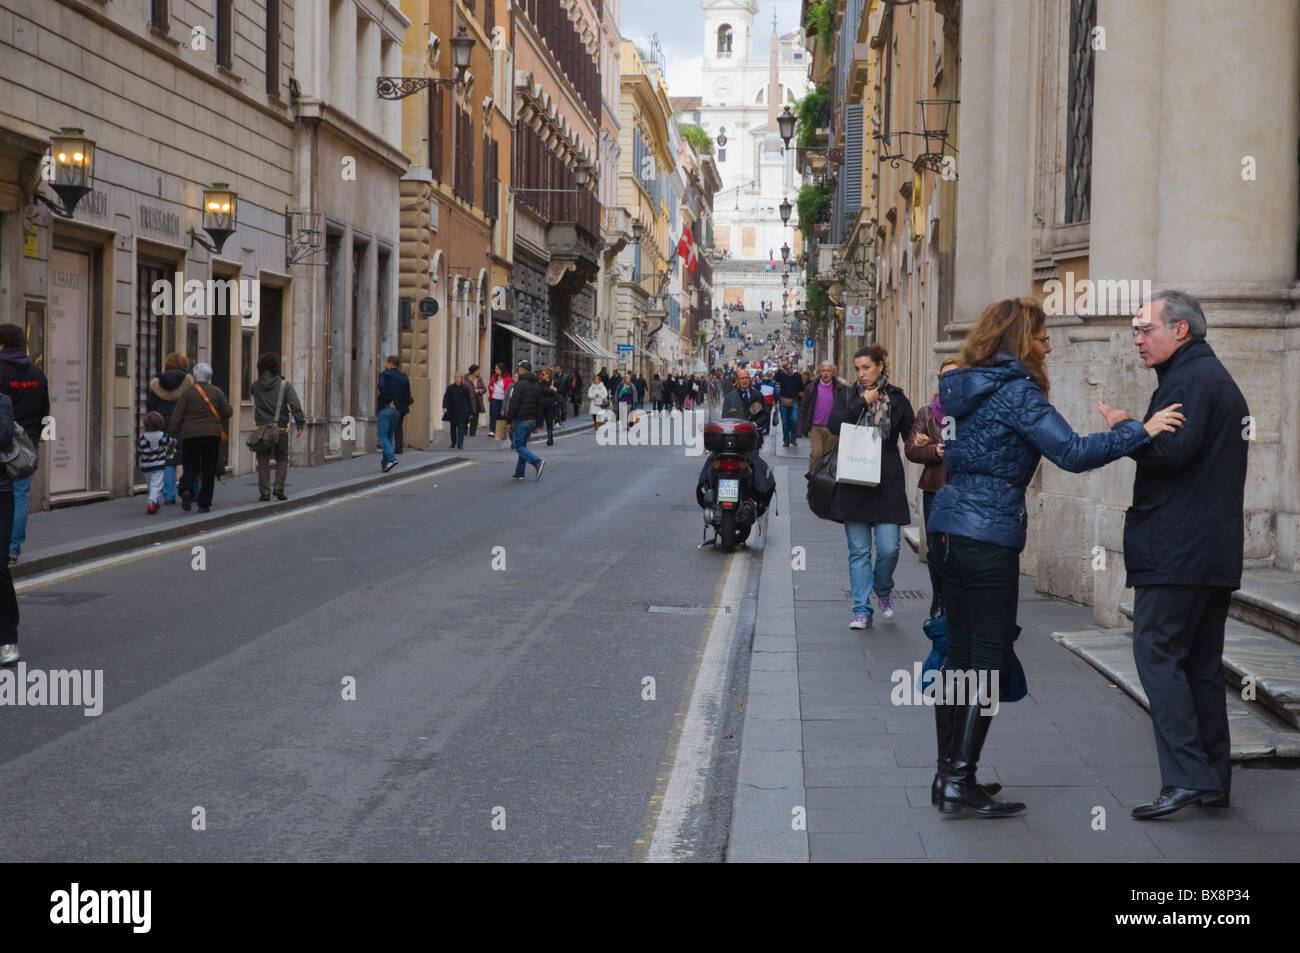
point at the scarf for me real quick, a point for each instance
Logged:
(936, 410)
(878, 411)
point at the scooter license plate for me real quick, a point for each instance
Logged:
(728, 491)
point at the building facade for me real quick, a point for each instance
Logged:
(557, 226)
(1080, 175)
(455, 203)
(344, 219)
(171, 94)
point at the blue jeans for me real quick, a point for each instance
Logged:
(521, 431)
(169, 483)
(22, 503)
(789, 421)
(862, 577)
(458, 428)
(388, 418)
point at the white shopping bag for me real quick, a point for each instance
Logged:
(858, 458)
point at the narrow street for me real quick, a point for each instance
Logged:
(512, 695)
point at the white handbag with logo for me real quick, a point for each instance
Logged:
(857, 460)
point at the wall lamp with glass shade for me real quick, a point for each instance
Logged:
(220, 214)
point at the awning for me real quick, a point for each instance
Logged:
(653, 357)
(586, 348)
(595, 348)
(527, 335)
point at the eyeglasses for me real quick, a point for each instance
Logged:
(1141, 329)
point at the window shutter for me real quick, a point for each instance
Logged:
(852, 160)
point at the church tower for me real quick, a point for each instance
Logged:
(728, 31)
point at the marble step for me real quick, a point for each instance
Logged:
(1270, 662)
(1255, 732)
(1270, 600)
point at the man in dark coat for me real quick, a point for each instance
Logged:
(393, 403)
(1183, 541)
(522, 415)
(457, 402)
(29, 391)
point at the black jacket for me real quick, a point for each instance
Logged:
(886, 503)
(456, 401)
(27, 388)
(7, 436)
(1186, 526)
(395, 387)
(525, 400)
(748, 405)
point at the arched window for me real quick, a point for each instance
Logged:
(761, 99)
(724, 38)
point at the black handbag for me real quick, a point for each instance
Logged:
(821, 486)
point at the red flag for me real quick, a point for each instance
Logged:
(686, 250)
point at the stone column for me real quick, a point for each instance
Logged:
(1231, 88)
(996, 170)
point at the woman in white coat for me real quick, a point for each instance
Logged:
(598, 395)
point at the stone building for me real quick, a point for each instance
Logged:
(557, 221)
(173, 96)
(343, 218)
(456, 204)
(1083, 171)
(646, 302)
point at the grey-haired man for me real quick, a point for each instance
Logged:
(1183, 540)
(815, 412)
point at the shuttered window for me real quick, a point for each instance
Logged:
(852, 159)
(435, 132)
(226, 33)
(273, 48)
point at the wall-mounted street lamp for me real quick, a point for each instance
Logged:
(786, 123)
(72, 156)
(220, 213)
(785, 207)
(638, 230)
(399, 87)
(581, 176)
(785, 252)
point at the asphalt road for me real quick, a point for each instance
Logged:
(498, 714)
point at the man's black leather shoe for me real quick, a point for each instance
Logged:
(1175, 799)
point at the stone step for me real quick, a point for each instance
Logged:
(1270, 600)
(1269, 660)
(1256, 734)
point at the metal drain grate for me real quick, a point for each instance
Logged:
(910, 594)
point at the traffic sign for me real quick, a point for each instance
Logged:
(810, 343)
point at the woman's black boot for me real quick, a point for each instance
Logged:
(944, 718)
(958, 791)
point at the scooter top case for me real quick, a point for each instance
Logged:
(730, 436)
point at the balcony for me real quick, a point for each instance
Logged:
(616, 228)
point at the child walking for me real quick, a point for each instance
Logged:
(157, 451)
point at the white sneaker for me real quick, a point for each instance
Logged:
(8, 654)
(886, 607)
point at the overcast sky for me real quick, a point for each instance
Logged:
(679, 24)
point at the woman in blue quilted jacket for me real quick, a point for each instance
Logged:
(1004, 424)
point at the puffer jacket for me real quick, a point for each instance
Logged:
(525, 400)
(1004, 426)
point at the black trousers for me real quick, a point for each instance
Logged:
(981, 592)
(1178, 647)
(8, 598)
(199, 456)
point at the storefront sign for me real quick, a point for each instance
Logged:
(32, 242)
(156, 220)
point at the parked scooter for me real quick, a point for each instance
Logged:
(736, 484)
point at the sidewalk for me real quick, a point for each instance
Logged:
(822, 735)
